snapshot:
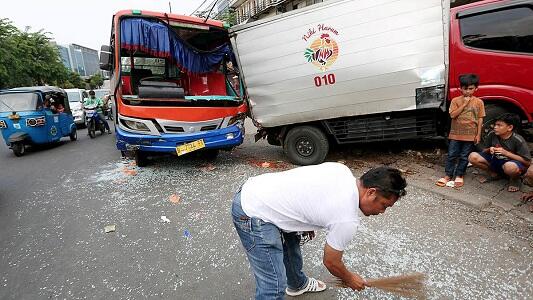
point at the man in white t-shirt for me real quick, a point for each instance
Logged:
(270, 210)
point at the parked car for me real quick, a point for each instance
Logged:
(75, 99)
(100, 93)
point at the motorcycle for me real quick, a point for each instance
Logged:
(93, 122)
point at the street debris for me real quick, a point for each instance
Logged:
(187, 234)
(164, 219)
(110, 228)
(174, 199)
(279, 165)
(207, 167)
(407, 171)
(129, 172)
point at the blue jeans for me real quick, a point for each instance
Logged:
(274, 256)
(457, 160)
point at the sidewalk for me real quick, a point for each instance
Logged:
(473, 193)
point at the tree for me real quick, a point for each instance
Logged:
(96, 81)
(229, 16)
(28, 58)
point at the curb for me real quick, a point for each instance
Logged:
(479, 203)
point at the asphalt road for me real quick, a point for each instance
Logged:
(56, 201)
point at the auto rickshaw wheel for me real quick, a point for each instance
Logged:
(141, 159)
(73, 134)
(18, 149)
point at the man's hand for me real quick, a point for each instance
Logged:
(356, 282)
(492, 150)
(333, 262)
(477, 139)
(501, 151)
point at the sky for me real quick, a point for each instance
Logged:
(82, 22)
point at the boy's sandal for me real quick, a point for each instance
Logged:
(514, 185)
(459, 182)
(441, 182)
(531, 208)
(313, 285)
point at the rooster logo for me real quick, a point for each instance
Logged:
(323, 52)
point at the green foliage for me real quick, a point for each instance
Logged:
(29, 58)
(96, 81)
(229, 16)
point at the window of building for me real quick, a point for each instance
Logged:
(506, 30)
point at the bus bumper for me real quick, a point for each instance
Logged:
(225, 138)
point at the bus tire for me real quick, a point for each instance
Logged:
(306, 145)
(141, 159)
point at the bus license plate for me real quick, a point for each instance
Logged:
(190, 147)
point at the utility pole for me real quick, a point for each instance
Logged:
(170, 6)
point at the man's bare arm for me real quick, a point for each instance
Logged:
(333, 262)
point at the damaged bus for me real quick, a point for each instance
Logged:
(175, 85)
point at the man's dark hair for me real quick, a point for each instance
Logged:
(510, 119)
(91, 92)
(466, 80)
(388, 181)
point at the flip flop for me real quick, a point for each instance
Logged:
(531, 208)
(514, 185)
(459, 182)
(442, 182)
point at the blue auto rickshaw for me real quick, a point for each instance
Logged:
(35, 115)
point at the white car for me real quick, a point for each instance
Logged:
(75, 99)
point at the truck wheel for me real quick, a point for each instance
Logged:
(141, 159)
(306, 145)
(18, 149)
(73, 134)
(492, 111)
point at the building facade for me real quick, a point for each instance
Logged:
(250, 10)
(80, 59)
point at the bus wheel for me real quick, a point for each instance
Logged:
(18, 149)
(306, 145)
(210, 154)
(141, 159)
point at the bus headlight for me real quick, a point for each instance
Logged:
(134, 125)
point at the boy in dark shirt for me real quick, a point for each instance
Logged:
(505, 153)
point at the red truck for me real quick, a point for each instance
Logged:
(494, 39)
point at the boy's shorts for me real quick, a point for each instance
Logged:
(496, 164)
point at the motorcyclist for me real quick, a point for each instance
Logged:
(99, 103)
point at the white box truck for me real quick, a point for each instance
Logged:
(347, 71)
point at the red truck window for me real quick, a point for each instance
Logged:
(506, 30)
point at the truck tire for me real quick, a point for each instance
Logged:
(306, 145)
(492, 111)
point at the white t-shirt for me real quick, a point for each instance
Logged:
(308, 198)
